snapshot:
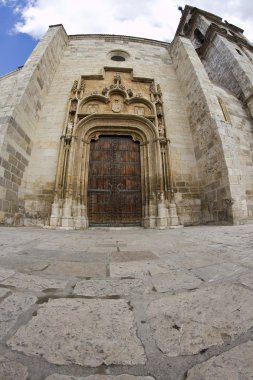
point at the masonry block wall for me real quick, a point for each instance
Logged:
(226, 57)
(203, 108)
(20, 112)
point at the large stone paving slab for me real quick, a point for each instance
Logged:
(246, 279)
(24, 264)
(12, 370)
(5, 273)
(85, 332)
(11, 308)
(45, 253)
(3, 293)
(235, 364)
(10, 245)
(189, 322)
(139, 269)
(124, 256)
(33, 283)
(218, 272)
(110, 287)
(243, 254)
(56, 376)
(86, 257)
(175, 280)
(64, 254)
(77, 269)
(195, 259)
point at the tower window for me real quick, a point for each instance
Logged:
(199, 36)
(238, 51)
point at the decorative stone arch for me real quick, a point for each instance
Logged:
(89, 120)
(89, 98)
(71, 201)
(141, 130)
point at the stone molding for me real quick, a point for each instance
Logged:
(114, 37)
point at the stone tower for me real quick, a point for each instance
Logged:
(117, 131)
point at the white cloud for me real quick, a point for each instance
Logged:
(144, 18)
(157, 19)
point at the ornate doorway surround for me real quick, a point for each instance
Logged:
(115, 111)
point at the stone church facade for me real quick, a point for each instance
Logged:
(118, 131)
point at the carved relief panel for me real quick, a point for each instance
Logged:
(126, 105)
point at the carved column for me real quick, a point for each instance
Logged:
(61, 214)
(166, 209)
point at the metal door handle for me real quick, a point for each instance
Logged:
(118, 187)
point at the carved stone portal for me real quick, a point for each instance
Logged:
(116, 104)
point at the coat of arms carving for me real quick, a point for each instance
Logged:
(92, 108)
(117, 105)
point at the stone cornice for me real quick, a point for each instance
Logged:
(113, 37)
(209, 16)
(121, 70)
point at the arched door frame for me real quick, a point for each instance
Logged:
(70, 204)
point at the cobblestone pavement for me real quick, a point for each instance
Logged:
(126, 304)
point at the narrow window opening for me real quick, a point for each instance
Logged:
(199, 36)
(118, 58)
(238, 51)
(224, 110)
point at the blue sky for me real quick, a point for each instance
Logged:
(22, 23)
(15, 47)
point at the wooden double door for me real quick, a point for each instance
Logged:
(114, 184)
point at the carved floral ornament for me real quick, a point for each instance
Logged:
(96, 99)
(116, 98)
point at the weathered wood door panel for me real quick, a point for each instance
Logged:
(114, 188)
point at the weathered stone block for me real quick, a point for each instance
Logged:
(186, 323)
(99, 331)
(10, 369)
(11, 308)
(233, 364)
(110, 287)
